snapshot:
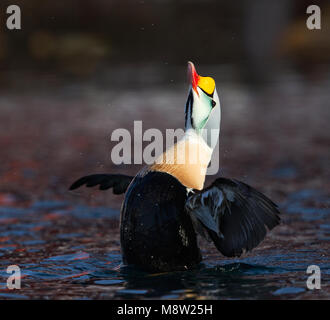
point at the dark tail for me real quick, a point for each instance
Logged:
(118, 182)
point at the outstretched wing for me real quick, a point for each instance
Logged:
(234, 215)
(118, 182)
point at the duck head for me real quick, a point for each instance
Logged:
(203, 112)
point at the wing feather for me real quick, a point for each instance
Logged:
(235, 215)
(118, 182)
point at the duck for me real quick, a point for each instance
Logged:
(166, 206)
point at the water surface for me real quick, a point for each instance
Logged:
(73, 251)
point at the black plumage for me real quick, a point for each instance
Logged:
(156, 232)
(118, 182)
(235, 216)
(160, 218)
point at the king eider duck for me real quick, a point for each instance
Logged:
(166, 204)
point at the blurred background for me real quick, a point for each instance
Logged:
(77, 70)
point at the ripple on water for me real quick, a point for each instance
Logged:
(12, 296)
(132, 292)
(85, 212)
(288, 290)
(69, 257)
(108, 281)
(69, 235)
(49, 205)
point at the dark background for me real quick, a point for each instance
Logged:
(80, 69)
